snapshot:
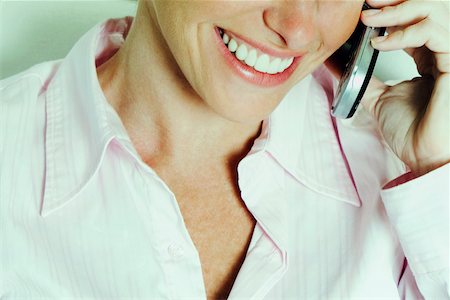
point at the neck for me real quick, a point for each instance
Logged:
(165, 118)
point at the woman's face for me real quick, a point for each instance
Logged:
(282, 42)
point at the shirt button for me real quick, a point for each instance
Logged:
(175, 250)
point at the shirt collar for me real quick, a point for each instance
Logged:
(79, 121)
(299, 134)
(303, 137)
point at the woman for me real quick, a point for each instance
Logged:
(163, 159)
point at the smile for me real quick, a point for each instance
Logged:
(254, 58)
(257, 64)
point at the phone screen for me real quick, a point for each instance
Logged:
(356, 58)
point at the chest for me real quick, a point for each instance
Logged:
(333, 248)
(221, 227)
(108, 232)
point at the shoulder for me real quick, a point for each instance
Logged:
(19, 94)
(367, 153)
(27, 84)
(369, 156)
(22, 108)
(22, 135)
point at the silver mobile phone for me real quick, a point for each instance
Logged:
(359, 57)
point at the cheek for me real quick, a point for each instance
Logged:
(338, 23)
(177, 41)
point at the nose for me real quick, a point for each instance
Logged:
(293, 21)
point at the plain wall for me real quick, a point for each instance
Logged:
(37, 31)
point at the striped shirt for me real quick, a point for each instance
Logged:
(83, 217)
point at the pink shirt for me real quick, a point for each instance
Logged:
(82, 216)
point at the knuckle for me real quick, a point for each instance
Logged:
(402, 34)
(389, 9)
(427, 24)
(443, 64)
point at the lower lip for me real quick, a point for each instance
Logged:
(250, 74)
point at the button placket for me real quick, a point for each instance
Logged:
(265, 198)
(179, 262)
(176, 251)
(264, 265)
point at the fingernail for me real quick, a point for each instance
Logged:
(371, 12)
(378, 39)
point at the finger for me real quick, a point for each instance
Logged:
(407, 13)
(382, 3)
(425, 33)
(391, 30)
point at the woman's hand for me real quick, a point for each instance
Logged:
(414, 116)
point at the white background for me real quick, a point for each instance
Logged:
(37, 31)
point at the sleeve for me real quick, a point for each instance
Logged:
(418, 209)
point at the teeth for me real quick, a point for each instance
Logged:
(242, 52)
(262, 63)
(290, 61)
(232, 46)
(226, 39)
(251, 58)
(287, 62)
(274, 66)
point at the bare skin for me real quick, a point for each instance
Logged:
(216, 217)
(181, 124)
(192, 120)
(219, 225)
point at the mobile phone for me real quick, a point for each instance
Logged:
(356, 58)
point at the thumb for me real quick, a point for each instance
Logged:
(373, 93)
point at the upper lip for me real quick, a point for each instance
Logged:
(265, 49)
